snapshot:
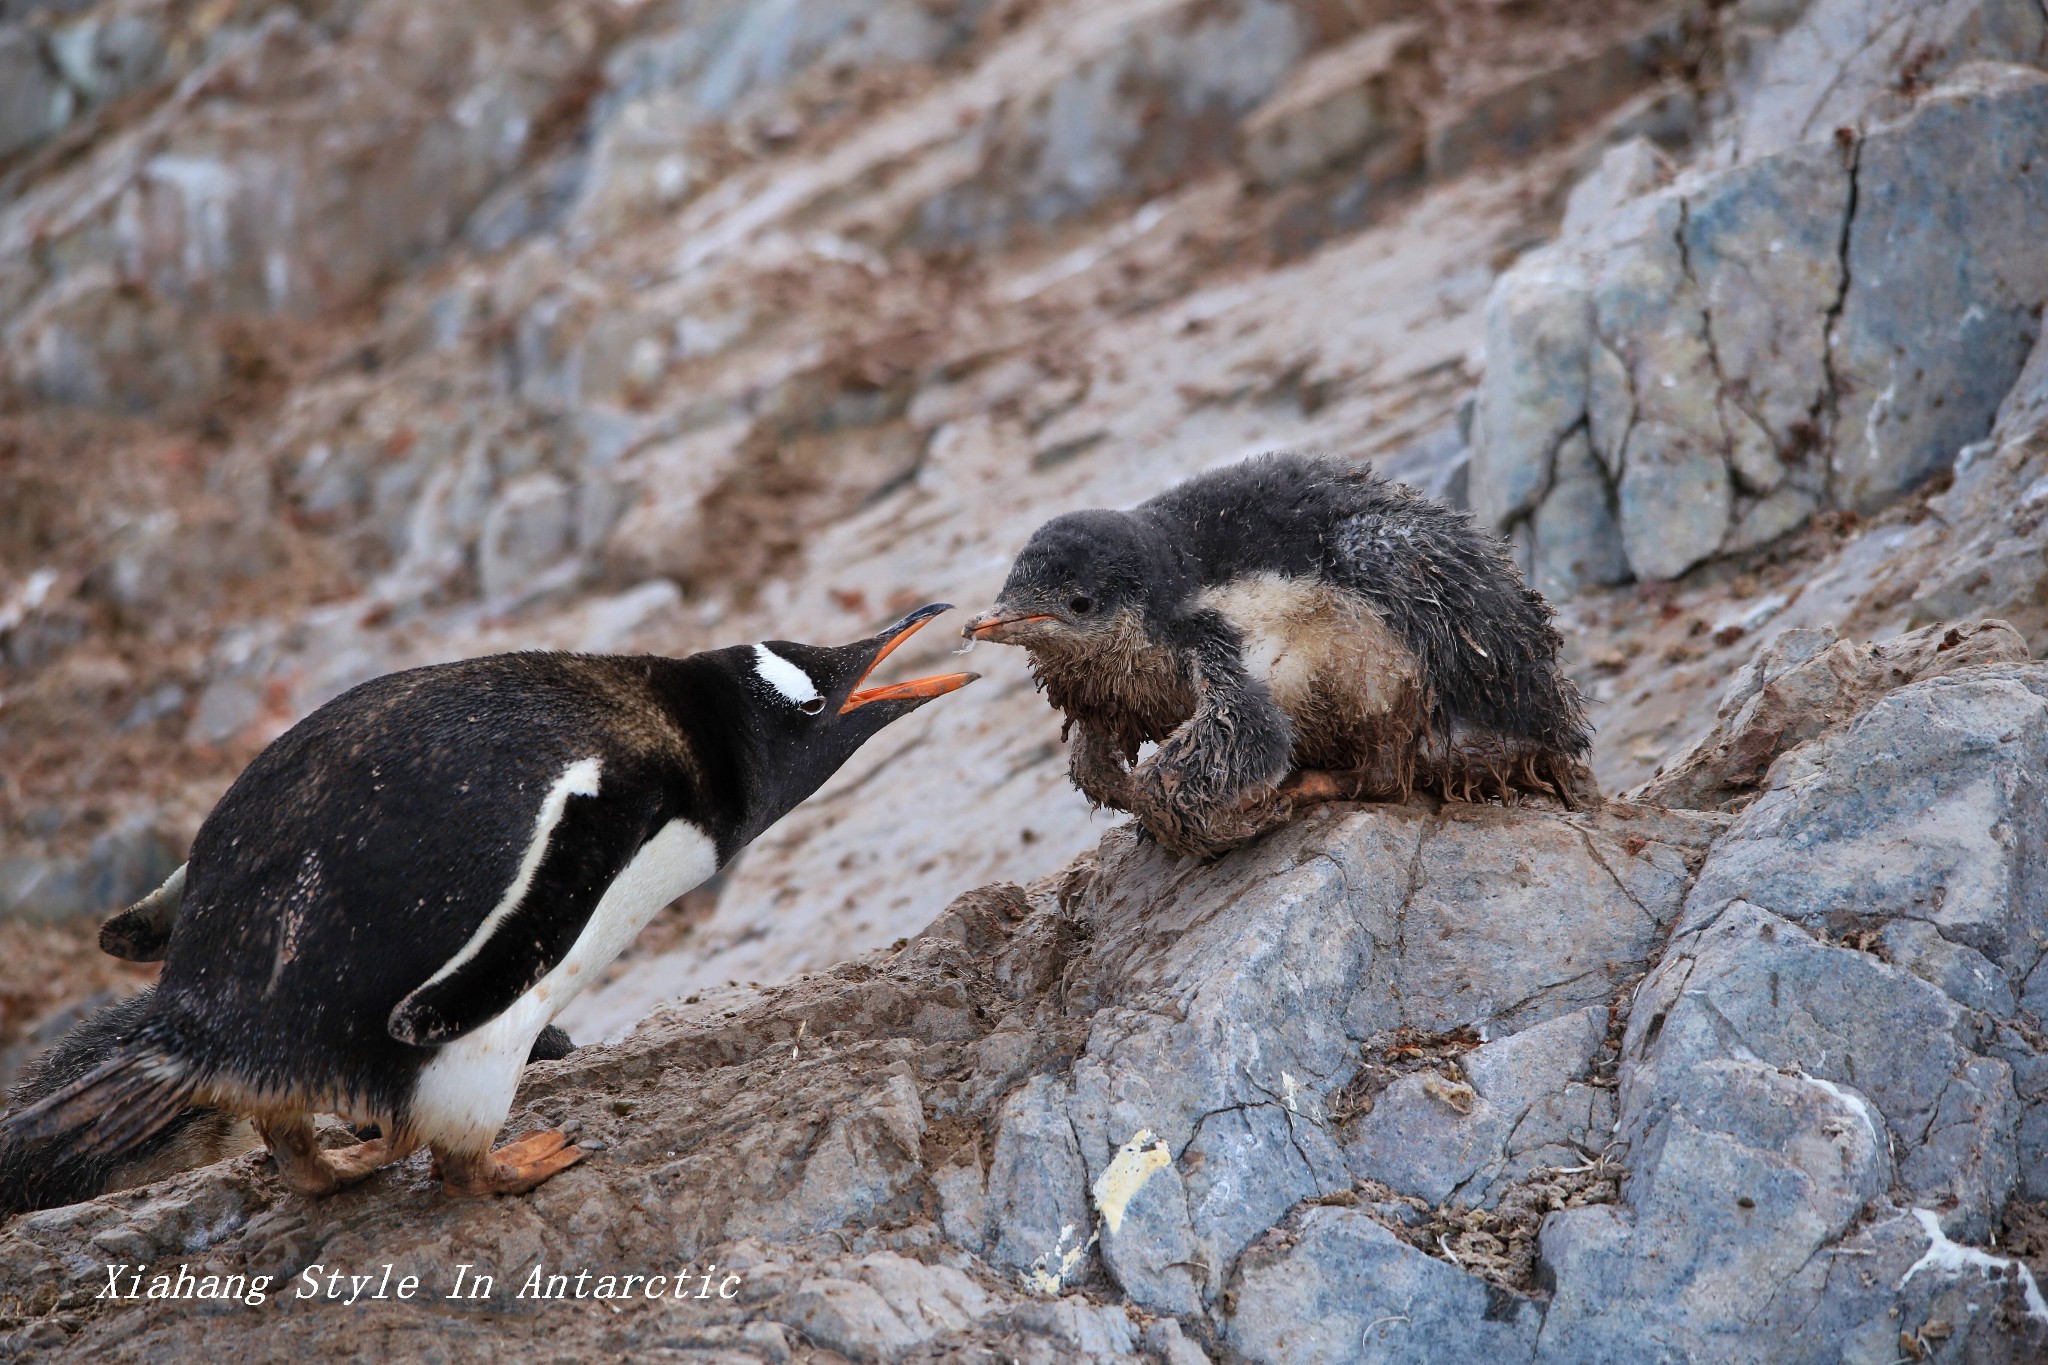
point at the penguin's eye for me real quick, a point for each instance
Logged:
(811, 707)
(1081, 606)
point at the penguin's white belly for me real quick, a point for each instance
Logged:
(462, 1096)
(1303, 638)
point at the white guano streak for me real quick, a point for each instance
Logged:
(580, 779)
(1944, 1257)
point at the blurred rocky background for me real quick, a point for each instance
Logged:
(341, 337)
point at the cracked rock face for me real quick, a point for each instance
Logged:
(1824, 324)
(1150, 1109)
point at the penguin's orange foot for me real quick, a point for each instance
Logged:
(351, 1164)
(515, 1168)
(306, 1168)
(1307, 785)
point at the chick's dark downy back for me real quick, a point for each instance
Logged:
(1484, 641)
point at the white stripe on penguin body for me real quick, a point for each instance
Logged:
(461, 1097)
(580, 779)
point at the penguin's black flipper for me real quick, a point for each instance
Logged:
(142, 932)
(532, 928)
(1209, 785)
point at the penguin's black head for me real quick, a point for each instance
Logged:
(807, 708)
(1080, 579)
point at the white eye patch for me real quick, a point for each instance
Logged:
(786, 678)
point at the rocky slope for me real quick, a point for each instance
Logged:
(340, 337)
(1394, 1083)
(360, 335)
(344, 337)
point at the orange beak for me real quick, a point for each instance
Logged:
(993, 625)
(916, 688)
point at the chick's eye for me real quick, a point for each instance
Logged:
(811, 707)
(1081, 606)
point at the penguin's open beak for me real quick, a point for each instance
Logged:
(917, 689)
(995, 623)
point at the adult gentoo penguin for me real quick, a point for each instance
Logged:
(396, 897)
(46, 1174)
(1289, 614)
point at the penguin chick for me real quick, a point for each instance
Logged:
(43, 1175)
(397, 896)
(1289, 613)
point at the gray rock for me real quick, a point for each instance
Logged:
(2009, 569)
(1340, 1288)
(1590, 894)
(860, 1171)
(209, 204)
(1037, 1189)
(100, 342)
(120, 865)
(1920, 319)
(1419, 1141)
(886, 1307)
(1163, 1338)
(1743, 349)
(1244, 1172)
(1133, 116)
(34, 101)
(1354, 103)
(1868, 47)
(1755, 1172)
(1763, 246)
(2025, 407)
(103, 60)
(1577, 538)
(1798, 686)
(1539, 332)
(1928, 807)
(1292, 943)
(1527, 109)
(1626, 171)
(1148, 1244)
(530, 528)
(1754, 987)
(1961, 973)
(1674, 500)
(1077, 1330)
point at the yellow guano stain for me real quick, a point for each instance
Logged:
(1128, 1171)
(1048, 1273)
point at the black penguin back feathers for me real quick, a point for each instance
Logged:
(372, 839)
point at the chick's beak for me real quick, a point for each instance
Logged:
(917, 689)
(998, 623)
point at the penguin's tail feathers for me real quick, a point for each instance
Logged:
(112, 1110)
